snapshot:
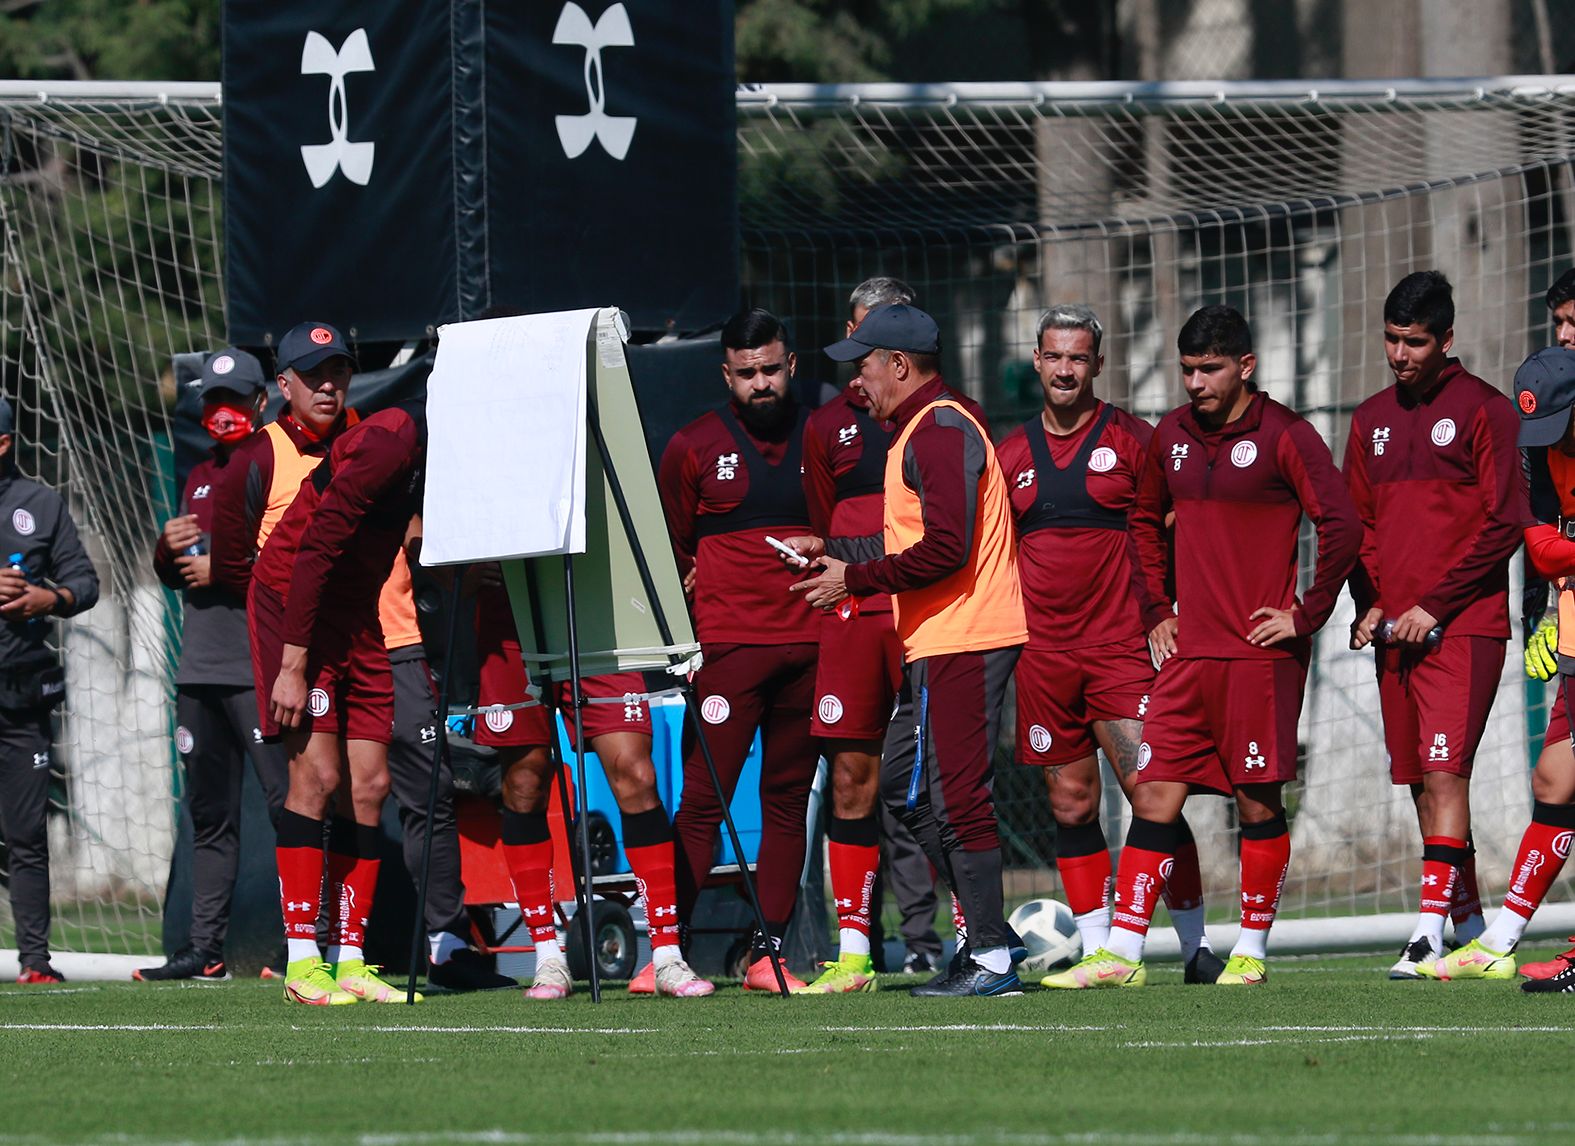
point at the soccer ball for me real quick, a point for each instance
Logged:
(1050, 934)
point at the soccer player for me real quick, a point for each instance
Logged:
(1434, 473)
(1239, 471)
(617, 726)
(1545, 393)
(951, 569)
(215, 697)
(1084, 677)
(264, 475)
(728, 480)
(324, 684)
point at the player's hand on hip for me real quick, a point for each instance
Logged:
(689, 580)
(1363, 628)
(1413, 625)
(1274, 626)
(196, 570)
(1162, 641)
(827, 590)
(180, 532)
(1542, 651)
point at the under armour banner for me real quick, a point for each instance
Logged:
(391, 165)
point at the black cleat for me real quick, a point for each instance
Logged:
(1203, 967)
(40, 973)
(468, 970)
(1562, 983)
(187, 963)
(918, 963)
(970, 979)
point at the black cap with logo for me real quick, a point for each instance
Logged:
(306, 344)
(895, 326)
(1545, 394)
(234, 370)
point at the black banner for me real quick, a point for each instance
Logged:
(391, 165)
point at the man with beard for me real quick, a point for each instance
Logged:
(1084, 678)
(728, 480)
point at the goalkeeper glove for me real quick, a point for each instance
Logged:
(1542, 651)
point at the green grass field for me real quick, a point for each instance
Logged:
(1328, 1051)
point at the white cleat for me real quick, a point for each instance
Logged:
(677, 980)
(1413, 955)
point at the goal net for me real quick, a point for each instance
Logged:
(1300, 207)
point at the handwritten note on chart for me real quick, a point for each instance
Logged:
(506, 439)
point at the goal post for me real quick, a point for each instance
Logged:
(1301, 205)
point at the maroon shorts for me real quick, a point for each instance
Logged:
(503, 680)
(350, 685)
(1061, 694)
(1435, 705)
(856, 677)
(1220, 724)
(1559, 719)
(615, 705)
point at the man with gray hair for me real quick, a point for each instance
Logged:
(1083, 679)
(45, 573)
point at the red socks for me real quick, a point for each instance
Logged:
(1184, 888)
(1543, 850)
(1082, 858)
(1146, 864)
(1468, 898)
(1442, 859)
(1265, 854)
(853, 851)
(352, 880)
(300, 859)
(527, 852)
(648, 842)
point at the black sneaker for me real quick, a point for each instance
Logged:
(40, 973)
(918, 963)
(1203, 967)
(1414, 954)
(970, 979)
(468, 970)
(1563, 982)
(187, 963)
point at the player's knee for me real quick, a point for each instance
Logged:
(1074, 799)
(632, 777)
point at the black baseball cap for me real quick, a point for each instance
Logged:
(895, 326)
(232, 369)
(1545, 394)
(306, 344)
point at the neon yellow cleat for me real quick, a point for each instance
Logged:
(1102, 968)
(359, 978)
(311, 981)
(1473, 961)
(848, 975)
(1242, 971)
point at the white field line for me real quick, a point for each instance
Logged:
(1041, 1028)
(48, 991)
(109, 1027)
(429, 1030)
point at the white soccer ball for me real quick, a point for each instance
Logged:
(1050, 934)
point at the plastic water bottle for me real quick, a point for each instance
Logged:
(1386, 632)
(19, 563)
(198, 548)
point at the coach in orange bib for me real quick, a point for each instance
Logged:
(951, 569)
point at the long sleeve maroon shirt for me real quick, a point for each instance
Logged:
(1438, 484)
(1239, 494)
(334, 548)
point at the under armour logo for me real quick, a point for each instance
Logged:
(661, 911)
(847, 434)
(613, 132)
(201, 491)
(1380, 440)
(318, 58)
(844, 903)
(527, 912)
(1439, 749)
(292, 905)
(726, 466)
(1025, 479)
(1178, 454)
(40, 760)
(428, 734)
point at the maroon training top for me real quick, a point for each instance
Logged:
(1437, 482)
(724, 489)
(1239, 494)
(334, 547)
(845, 475)
(1079, 577)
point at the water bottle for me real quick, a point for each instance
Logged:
(19, 563)
(198, 548)
(1386, 632)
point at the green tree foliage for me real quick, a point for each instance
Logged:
(111, 40)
